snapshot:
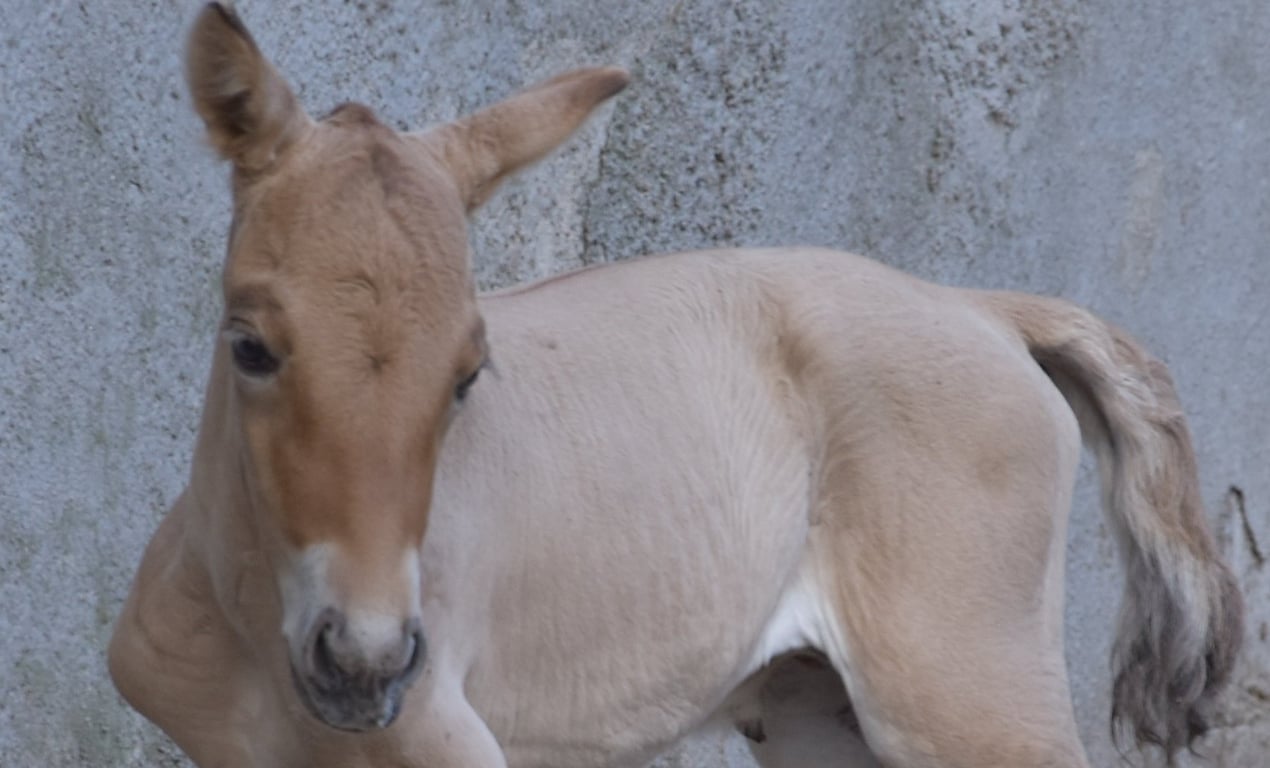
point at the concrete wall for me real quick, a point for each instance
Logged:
(1116, 154)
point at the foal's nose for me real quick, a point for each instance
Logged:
(364, 655)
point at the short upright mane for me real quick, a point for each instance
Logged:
(351, 113)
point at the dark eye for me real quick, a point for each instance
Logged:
(460, 391)
(252, 357)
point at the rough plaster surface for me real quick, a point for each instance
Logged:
(1116, 154)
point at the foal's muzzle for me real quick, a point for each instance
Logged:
(349, 687)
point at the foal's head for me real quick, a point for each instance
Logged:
(351, 333)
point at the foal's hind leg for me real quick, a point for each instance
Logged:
(946, 680)
(952, 654)
(986, 710)
(938, 565)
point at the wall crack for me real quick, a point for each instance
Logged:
(1235, 498)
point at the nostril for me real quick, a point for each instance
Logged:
(322, 660)
(324, 665)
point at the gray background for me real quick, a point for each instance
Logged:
(1112, 153)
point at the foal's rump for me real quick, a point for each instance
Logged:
(1181, 620)
(909, 376)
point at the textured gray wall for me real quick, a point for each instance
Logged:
(1117, 154)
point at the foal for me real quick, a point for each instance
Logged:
(685, 468)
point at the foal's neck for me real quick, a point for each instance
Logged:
(221, 531)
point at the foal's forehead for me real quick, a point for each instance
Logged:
(358, 240)
(354, 198)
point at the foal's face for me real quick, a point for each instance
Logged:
(352, 332)
(350, 337)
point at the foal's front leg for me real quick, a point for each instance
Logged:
(176, 660)
(448, 732)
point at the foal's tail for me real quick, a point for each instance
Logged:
(1181, 623)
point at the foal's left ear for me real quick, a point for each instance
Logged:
(485, 147)
(250, 111)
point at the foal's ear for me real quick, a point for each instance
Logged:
(485, 147)
(250, 112)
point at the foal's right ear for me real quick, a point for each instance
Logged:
(250, 112)
(486, 147)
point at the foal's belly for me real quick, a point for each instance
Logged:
(623, 613)
(612, 677)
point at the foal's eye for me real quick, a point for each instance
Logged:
(460, 391)
(252, 357)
